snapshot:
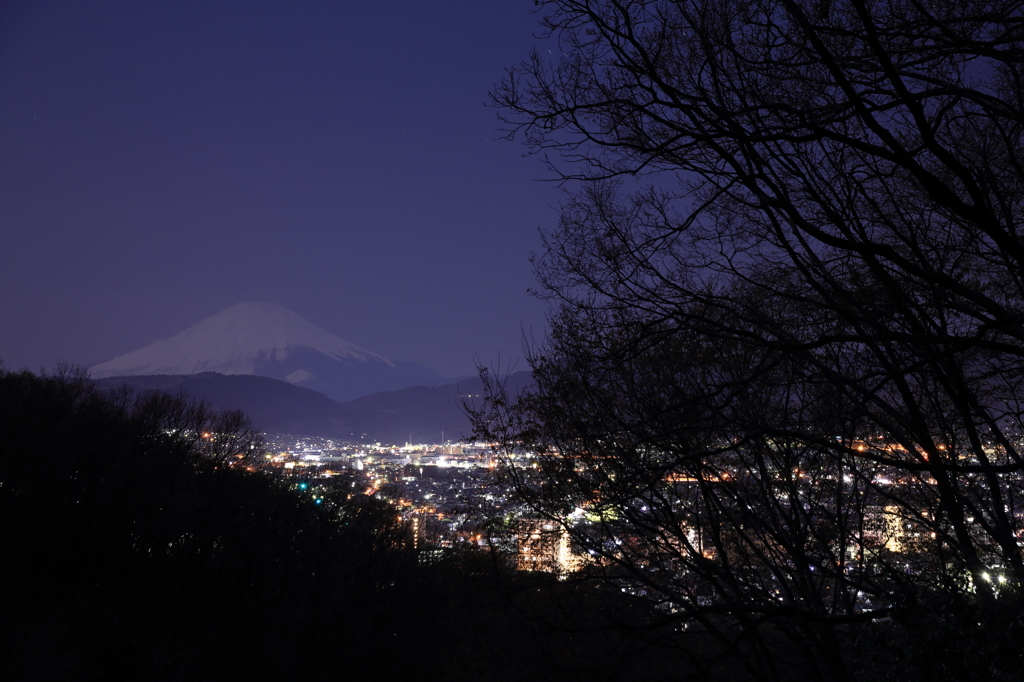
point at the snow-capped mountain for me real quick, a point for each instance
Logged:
(266, 339)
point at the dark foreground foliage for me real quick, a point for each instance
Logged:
(782, 392)
(137, 547)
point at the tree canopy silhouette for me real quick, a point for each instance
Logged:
(138, 544)
(782, 390)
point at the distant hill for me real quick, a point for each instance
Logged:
(420, 413)
(265, 339)
(273, 405)
(416, 414)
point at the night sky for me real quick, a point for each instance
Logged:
(161, 161)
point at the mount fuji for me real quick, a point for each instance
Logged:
(265, 339)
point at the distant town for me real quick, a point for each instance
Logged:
(445, 492)
(448, 496)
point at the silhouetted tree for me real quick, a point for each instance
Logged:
(782, 390)
(140, 541)
(138, 545)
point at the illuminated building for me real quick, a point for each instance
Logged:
(416, 527)
(544, 546)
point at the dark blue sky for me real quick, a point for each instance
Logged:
(161, 161)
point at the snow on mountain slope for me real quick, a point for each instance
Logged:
(266, 339)
(235, 341)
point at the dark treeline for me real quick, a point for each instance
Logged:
(137, 547)
(784, 379)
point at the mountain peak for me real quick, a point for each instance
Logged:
(235, 341)
(256, 326)
(266, 339)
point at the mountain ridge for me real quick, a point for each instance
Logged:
(416, 413)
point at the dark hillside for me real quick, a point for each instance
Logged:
(274, 406)
(135, 547)
(135, 550)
